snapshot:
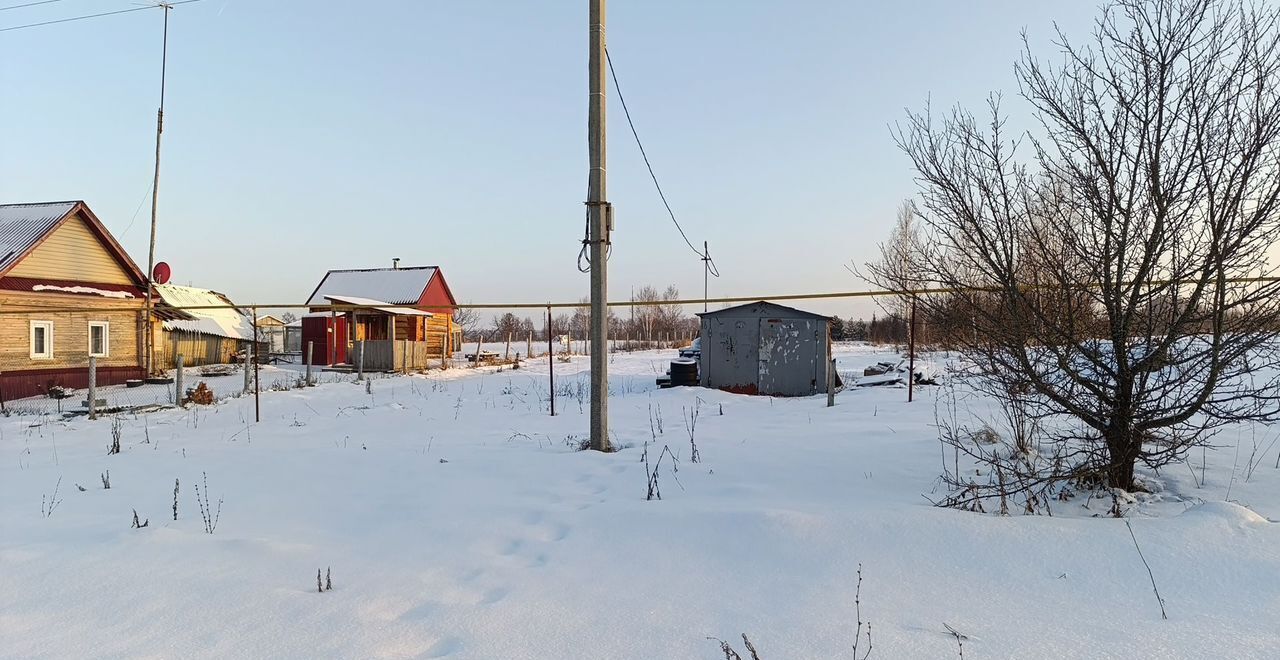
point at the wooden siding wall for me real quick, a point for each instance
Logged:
(196, 348)
(71, 252)
(403, 354)
(70, 331)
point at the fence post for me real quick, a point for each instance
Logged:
(311, 345)
(479, 343)
(528, 347)
(507, 352)
(831, 371)
(93, 387)
(248, 373)
(360, 360)
(551, 365)
(444, 349)
(831, 383)
(911, 350)
(257, 382)
(178, 392)
(404, 357)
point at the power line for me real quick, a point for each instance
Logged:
(88, 16)
(29, 4)
(627, 113)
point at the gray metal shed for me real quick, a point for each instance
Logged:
(764, 348)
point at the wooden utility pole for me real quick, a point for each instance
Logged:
(149, 349)
(601, 219)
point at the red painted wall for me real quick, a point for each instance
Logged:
(36, 382)
(437, 297)
(316, 330)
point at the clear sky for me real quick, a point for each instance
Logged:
(303, 135)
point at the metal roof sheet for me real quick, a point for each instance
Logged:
(379, 305)
(226, 322)
(23, 225)
(764, 307)
(394, 286)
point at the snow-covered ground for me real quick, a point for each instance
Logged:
(458, 520)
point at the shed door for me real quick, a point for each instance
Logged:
(729, 354)
(788, 356)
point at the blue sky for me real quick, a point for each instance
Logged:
(307, 135)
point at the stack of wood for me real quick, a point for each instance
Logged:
(200, 394)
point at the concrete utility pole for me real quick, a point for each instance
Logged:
(601, 219)
(706, 273)
(149, 349)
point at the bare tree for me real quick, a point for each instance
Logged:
(1099, 259)
(468, 319)
(899, 257)
(288, 317)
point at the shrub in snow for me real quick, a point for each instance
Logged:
(207, 514)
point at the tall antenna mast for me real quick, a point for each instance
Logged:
(149, 350)
(600, 219)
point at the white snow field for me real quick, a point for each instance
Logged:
(456, 521)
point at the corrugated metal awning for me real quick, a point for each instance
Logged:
(378, 305)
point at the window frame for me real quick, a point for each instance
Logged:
(106, 338)
(47, 326)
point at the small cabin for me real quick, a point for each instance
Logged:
(765, 348)
(403, 318)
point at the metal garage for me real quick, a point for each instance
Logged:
(765, 348)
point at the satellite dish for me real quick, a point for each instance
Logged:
(161, 273)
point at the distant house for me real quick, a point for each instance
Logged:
(201, 336)
(765, 348)
(271, 330)
(56, 257)
(404, 316)
(293, 336)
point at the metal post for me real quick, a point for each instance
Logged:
(831, 371)
(149, 350)
(600, 221)
(911, 351)
(178, 392)
(93, 387)
(831, 383)
(257, 387)
(551, 364)
(311, 345)
(360, 360)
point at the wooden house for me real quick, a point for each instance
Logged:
(201, 336)
(403, 317)
(68, 291)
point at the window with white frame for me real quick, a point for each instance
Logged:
(42, 340)
(99, 339)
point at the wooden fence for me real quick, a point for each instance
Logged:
(401, 355)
